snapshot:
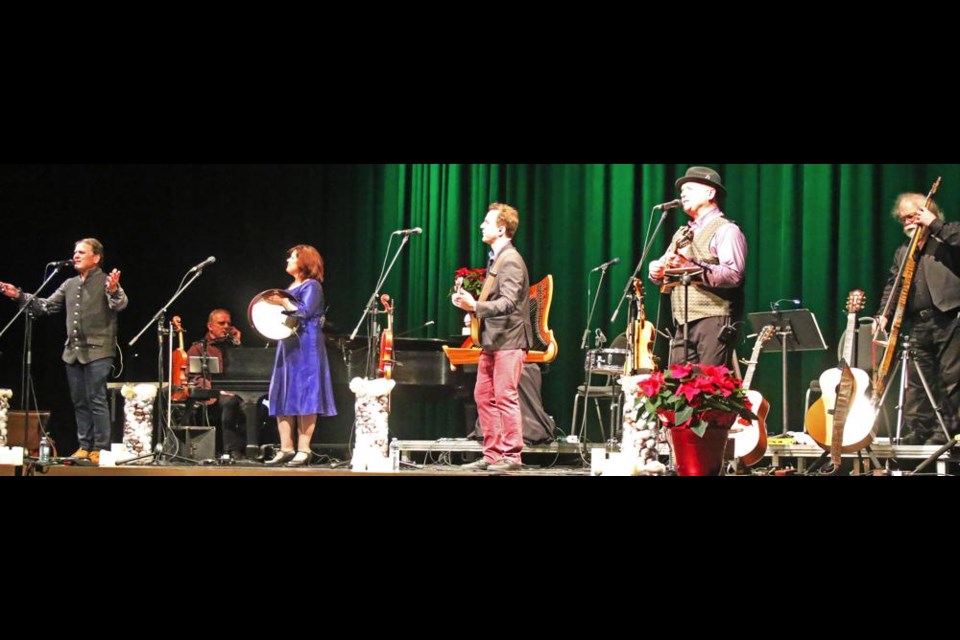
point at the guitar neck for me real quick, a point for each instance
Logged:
(848, 340)
(754, 357)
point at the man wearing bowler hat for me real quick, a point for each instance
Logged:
(716, 245)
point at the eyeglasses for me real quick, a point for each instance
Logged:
(226, 322)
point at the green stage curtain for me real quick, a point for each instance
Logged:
(815, 232)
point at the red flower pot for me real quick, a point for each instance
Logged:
(696, 456)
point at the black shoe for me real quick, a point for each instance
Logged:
(476, 465)
(253, 453)
(280, 457)
(505, 464)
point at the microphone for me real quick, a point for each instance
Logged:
(666, 206)
(423, 326)
(203, 264)
(775, 306)
(602, 339)
(60, 263)
(609, 263)
(408, 232)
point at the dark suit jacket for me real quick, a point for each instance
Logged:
(941, 264)
(506, 312)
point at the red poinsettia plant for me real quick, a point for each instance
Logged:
(470, 279)
(695, 396)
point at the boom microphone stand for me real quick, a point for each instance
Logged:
(371, 307)
(643, 257)
(162, 330)
(26, 375)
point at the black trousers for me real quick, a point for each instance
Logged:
(704, 343)
(936, 350)
(227, 415)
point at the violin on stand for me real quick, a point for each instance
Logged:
(178, 366)
(385, 361)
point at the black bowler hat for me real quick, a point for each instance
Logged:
(703, 175)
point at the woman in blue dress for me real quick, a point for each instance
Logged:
(300, 387)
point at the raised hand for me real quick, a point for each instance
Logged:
(113, 281)
(9, 290)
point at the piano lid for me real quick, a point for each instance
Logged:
(401, 344)
(420, 362)
(244, 363)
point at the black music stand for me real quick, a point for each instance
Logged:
(204, 364)
(794, 330)
(683, 277)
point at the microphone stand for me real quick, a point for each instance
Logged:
(371, 306)
(643, 258)
(783, 331)
(26, 371)
(162, 330)
(586, 332)
(205, 375)
(588, 369)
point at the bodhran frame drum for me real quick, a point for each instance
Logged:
(611, 362)
(269, 319)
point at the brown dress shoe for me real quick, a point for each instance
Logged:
(476, 465)
(505, 464)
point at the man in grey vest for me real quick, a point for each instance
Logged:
(932, 314)
(91, 300)
(716, 245)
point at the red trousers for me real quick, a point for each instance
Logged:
(498, 404)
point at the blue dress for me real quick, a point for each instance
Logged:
(300, 384)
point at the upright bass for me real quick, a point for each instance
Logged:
(905, 277)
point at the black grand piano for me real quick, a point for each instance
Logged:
(418, 363)
(421, 371)
(425, 383)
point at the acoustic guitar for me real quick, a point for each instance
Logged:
(750, 438)
(640, 335)
(844, 392)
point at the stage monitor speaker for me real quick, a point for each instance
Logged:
(863, 346)
(197, 443)
(15, 429)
